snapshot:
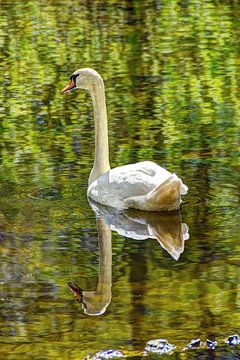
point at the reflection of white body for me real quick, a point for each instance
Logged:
(144, 185)
(166, 228)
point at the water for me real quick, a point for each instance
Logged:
(171, 72)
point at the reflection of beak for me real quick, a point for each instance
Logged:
(76, 291)
(69, 87)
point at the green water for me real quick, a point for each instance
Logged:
(171, 71)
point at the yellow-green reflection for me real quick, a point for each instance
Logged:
(172, 84)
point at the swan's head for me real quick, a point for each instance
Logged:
(83, 79)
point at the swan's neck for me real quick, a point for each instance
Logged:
(101, 158)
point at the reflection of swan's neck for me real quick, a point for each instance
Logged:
(105, 258)
(95, 302)
(101, 158)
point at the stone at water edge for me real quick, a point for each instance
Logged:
(160, 346)
(106, 354)
(211, 344)
(194, 344)
(233, 340)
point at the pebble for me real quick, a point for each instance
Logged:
(160, 346)
(211, 344)
(233, 340)
(107, 354)
(194, 343)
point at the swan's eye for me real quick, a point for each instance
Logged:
(73, 77)
(72, 85)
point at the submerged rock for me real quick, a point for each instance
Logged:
(211, 344)
(160, 346)
(194, 343)
(106, 354)
(233, 340)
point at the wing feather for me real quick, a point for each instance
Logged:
(126, 181)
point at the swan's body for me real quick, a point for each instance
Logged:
(144, 185)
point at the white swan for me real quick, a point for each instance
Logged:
(144, 185)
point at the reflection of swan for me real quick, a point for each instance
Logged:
(166, 227)
(144, 185)
(95, 302)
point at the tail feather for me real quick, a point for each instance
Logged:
(165, 197)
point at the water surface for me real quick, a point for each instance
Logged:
(171, 72)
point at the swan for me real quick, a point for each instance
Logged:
(144, 185)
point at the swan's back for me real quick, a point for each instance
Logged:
(118, 185)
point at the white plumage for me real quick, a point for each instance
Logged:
(144, 185)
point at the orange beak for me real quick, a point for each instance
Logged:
(69, 87)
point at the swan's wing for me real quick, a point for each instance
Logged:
(136, 179)
(126, 181)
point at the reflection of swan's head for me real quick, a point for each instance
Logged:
(83, 79)
(92, 302)
(93, 306)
